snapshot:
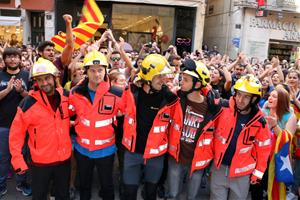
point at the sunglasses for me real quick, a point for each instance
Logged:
(115, 59)
(104, 52)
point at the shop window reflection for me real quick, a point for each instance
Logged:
(11, 34)
(140, 24)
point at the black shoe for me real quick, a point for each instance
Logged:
(161, 192)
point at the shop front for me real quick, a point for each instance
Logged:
(11, 29)
(141, 23)
(275, 35)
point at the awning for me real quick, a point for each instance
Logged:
(9, 21)
(187, 3)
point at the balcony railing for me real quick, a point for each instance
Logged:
(276, 5)
(245, 3)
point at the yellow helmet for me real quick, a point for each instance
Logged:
(196, 69)
(95, 58)
(42, 67)
(248, 83)
(152, 65)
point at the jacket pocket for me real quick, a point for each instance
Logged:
(107, 105)
(249, 135)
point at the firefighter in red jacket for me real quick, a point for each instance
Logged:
(44, 114)
(190, 142)
(148, 113)
(242, 143)
(96, 105)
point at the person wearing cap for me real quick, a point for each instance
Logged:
(241, 144)
(44, 115)
(148, 114)
(190, 143)
(96, 105)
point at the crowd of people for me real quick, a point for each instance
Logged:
(169, 119)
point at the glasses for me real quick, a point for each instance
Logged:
(115, 59)
(104, 52)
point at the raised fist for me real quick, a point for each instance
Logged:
(68, 18)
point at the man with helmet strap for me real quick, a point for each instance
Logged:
(199, 73)
(96, 105)
(148, 113)
(242, 143)
(44, 115)
(190, 139)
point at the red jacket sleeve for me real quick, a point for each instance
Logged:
(263, 147)
(16, 141)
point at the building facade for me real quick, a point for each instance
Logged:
(178, 22)
(30, 20)
(240, 27)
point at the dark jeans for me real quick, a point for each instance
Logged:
(85, 166)
(5, 159)
(42, 175)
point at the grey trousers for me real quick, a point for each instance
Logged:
(176, 173)
(223, 187)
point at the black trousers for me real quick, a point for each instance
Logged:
(85, 166)
(42, 175)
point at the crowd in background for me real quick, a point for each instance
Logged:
(280, 82)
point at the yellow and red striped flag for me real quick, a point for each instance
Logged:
(90, 22)
(91, 12)
(82, 33)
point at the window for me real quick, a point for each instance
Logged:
(140, 24)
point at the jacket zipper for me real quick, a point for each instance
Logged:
(131, 144)
(34, 131)
(220, 159)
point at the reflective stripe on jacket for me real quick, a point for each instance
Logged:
(253, 144)
(157, 142)
(203, 153)
(95, 122)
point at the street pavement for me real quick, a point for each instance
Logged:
(13, 194)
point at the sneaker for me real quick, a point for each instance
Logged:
(72, 192)
(24, 188)
(3, 191)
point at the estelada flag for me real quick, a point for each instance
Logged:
(82, 33)
(277, 190)
(91, 12)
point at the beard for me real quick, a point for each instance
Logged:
(13, 68)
